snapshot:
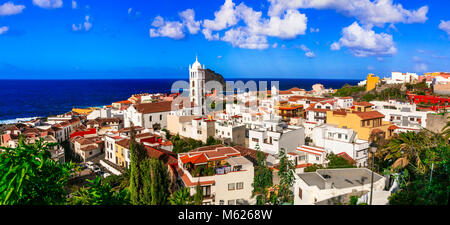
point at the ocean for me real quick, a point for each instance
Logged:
(26, 99)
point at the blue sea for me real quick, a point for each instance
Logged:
(26, 99)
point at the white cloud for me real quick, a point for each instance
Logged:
(219, 56)
(363, 42)
(9, 8)
(224, 18)
(188, 18)
(445, 26)
(370, 67)
(288, 25)
(171, 29)
(129, 10)
(74, 4)
(310, 54)
(3, 29)
(240, 37)
(48, 4)
(209, 36)
(275, 45)
(87, 25)
(314, 30)
(335, 46)
(376, 12)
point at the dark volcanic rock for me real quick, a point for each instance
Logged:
(211, 75)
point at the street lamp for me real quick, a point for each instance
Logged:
(373, 149)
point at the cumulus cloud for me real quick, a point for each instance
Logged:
(363, 42)
(48, 4)
(3, 29)
(74, 4)
(9, 8)
(421, 67)
(308, 52)
(209, 36)
(171, 29)
(86, 26)
(224, 18)
(188, 18)
(240, 37)
(378, 12)
(275, 45)
(445, 26)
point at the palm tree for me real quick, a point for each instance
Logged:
(181, 197)
(409, 146)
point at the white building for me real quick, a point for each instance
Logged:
(404, 115)
(273, 137)
(198, 129)
(400, 78)
(226, 177)
(338, 140)
(322, 186)
(148, 114)
(231, 132)
(197, 87)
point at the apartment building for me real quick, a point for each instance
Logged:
(224, 175)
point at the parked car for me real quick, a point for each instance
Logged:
(96, 169)
(105, 175)
(82, 166)
(89, 164)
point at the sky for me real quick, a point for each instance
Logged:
(324, 39)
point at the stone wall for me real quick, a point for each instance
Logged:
(435, 123)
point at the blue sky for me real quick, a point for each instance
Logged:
(336, 39)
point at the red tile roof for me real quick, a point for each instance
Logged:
(369, 115)
(154, 107)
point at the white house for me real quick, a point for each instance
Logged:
(197, 87)
(273, 137)
(322, 186)
(198, 129)
(226, 177)
(148, 114)
(404, 115)
(231, 132)
(338, 140)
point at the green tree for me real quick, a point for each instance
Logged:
(198, 196)
(98, 193)
(138, 154)
(262, 179)
(313, 168)
(159, 177)
(286, 173)
(28, 175)
(212, 141)
(181, 197)
(335, 161)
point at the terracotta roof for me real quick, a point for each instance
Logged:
(249, 153)
(365, 104)
(165, 156)
(124, 143)
(89, 148)
(376, 130)
(346, 157)
(369, 115)
(200, 155)
(84, 141)
(393, 127)
(296, 89)
(188, 183)
(316, 109)
(155, 107)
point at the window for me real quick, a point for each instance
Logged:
(230, 202)
(317, 158)
(300, 193)
(221, 202)
(160, 117)
(150, 118)
(239, 185)
(231, 187)
(255, 139)
(239, 201)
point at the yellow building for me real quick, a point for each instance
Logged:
(372, 82)
(85, 112)
(362, 120)
(122, 151)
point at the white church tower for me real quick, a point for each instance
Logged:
(197, 87)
